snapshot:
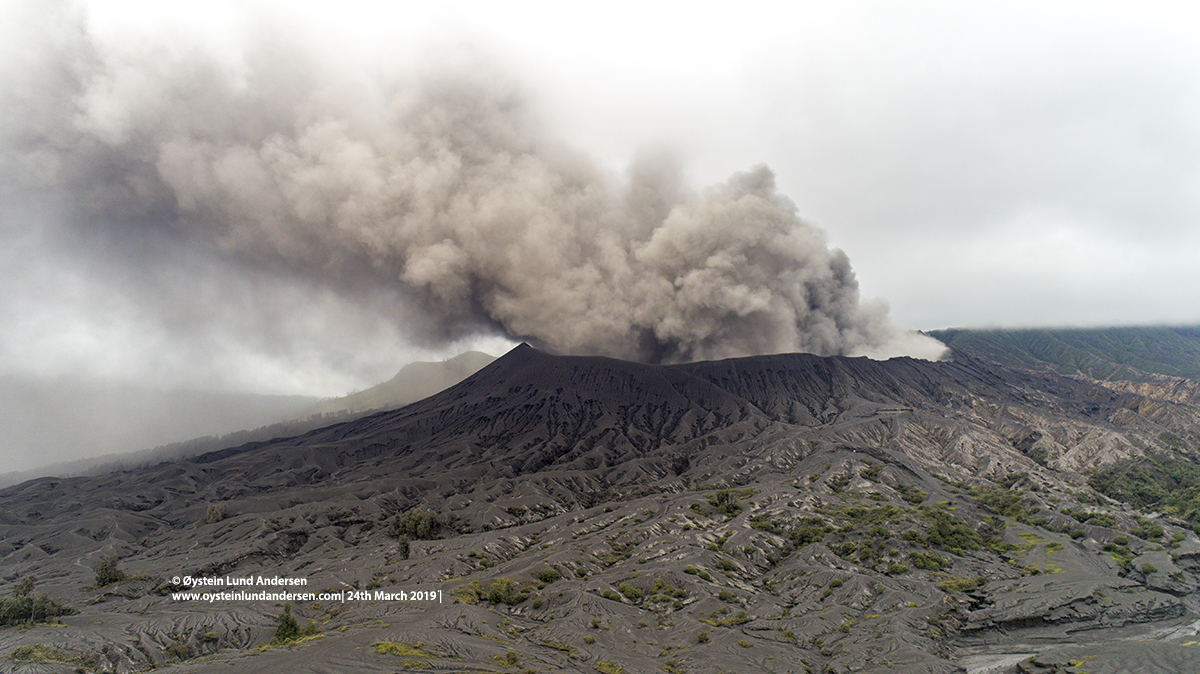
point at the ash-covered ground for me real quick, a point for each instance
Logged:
(570, 514)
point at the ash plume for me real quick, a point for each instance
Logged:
(435, 187)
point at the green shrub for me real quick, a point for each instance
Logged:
(549, 575)
(41, 653)
(1006, 502)
(505, 591)
(726, 502)
(606, 667)
(961, 584)
(910, 494)
(760, 522)
(29, 609)
(288, 629)
(895, 569)
(810, 530)
(928, 561)
(871, 472)
(631, 593)
(702, 638)
(108, 572)
(839, 483)
(1149, 532)
(416, 524)
(946, 531)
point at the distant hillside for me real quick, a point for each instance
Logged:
(1129, 353)
(67, 425)
(413, 382)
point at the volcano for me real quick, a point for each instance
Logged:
(563, 513)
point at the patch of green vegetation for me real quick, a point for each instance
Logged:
(509, 659)
(401, 649)
(844, 550)
(950, 533)
(1053, 547)
(606, 667)
(761, 522)
(416, 524)
(108, 572)
(929, 561)
(1169, 485)
(1003, 501)
(499, 591)
(559, 646)
(609, 594)
(549, 575)
(24, 607)
(288, 629)
(1096, 519)
(838, 484)
(871, 472)
(955, 584)
(726, 502)
(910, 494)
(43, 654)
(864, 516)
(1119, 552)
(1147, 530)
(631, 593)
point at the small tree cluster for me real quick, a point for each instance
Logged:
(23, 607)
(108, 572)
(416, 524)
(288, 629)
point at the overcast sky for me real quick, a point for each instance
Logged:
(981, 164)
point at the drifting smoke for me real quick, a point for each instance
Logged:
(435, 188)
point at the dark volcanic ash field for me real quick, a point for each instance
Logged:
(782, 513)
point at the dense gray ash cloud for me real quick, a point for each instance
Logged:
(435, 187)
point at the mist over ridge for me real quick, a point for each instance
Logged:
(435, 191)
